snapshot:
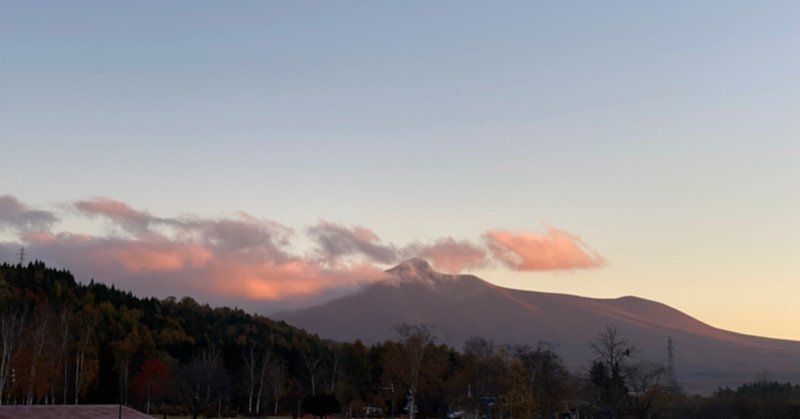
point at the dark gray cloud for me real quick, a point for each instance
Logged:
(243, 234)
(16, 216)
(335, 241)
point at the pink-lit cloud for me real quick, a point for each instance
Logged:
(155, 266)
(450, 255)
(117, 212)
(298, 278)
(555, 250)
(244, 258)
(139, 257)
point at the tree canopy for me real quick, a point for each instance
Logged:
(62, 341)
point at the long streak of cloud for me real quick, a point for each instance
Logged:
(252, 259)
(117, 212)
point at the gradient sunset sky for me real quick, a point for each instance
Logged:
(254, 153)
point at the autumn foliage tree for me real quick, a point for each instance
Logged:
(152, 382)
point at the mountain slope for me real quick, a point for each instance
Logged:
(464, 305)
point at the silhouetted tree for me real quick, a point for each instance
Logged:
(204, 382)
(609, 370)
(414, 341)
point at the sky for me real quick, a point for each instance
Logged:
(271, 154)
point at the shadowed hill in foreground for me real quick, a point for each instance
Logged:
(461, 306)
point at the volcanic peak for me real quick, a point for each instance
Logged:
(417, 270)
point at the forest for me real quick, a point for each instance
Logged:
(65, 342)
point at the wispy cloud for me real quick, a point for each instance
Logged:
(450, 255)
(335, 241)
(253, 259)
(117, 212)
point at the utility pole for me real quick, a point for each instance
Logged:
(120, 397)
(21, 255)
(390, 388)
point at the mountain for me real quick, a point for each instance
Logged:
(461, 306)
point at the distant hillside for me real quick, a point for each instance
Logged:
(464, 305)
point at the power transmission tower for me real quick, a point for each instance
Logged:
(21, 255)
(671, 382)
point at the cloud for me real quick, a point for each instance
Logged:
(450, 255)
(243, 259)
(555, 250)
(18, 217)
(336, 241)
(162, 256)
(203, 269)
(297, 278)
(242, 233)
(118, 212)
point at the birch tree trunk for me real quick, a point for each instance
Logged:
(265, 360)
(63, 351)
(38, 340)
(250, 363)
(79, 358)
(10, 331)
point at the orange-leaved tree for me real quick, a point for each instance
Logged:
(151, 382)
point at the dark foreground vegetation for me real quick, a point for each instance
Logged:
(65, 342)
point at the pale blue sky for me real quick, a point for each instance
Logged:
(664, 134)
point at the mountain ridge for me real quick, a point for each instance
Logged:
(461, 306)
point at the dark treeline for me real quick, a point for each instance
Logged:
(62, 342)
